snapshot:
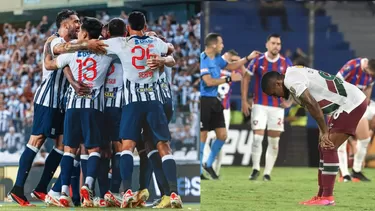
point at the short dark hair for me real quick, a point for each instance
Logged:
(273, 35)
(63, 15)
(300, 61)
(371, 65)
(117, 27)
(137, 20)
(233, 52)
(93, 27)
(268, 77)
(211, 38)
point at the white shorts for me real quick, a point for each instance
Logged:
(370, 112)
(263, 116)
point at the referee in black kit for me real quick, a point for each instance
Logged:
(212, 117)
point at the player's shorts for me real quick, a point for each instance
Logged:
(135, 115)
(212, 116)
(48, 121)
(342, 122)
(111, 126)
(168, 109)
(267, 116)
(370, 112)
(83, 125)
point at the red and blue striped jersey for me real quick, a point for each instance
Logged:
(258, 67)
(353, 73)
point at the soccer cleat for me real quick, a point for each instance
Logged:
(87, 196)
(360, 176)
(113, 199)
(254, 175)
(345, 178)
(175, 201)
(66, 201)
(306, 202)
(51, 200)
(140, 198)
(210, 171)
(156, 202)
(266, 177)
(127, 199)
(38, 195)
(323, 201)
(20, 199)
(204, 177)
(164, 203)
(99, 202)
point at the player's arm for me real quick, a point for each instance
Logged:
(314, 109)
(80, 87)
(368, 92)
(54, 64)
(214, 81)
(237, 64)
(93, 45)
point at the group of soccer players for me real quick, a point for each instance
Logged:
(344, 98)
(100, 100)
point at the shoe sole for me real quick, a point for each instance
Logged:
(112, 200)
(49, 201)
(128, 204)
(64, 203)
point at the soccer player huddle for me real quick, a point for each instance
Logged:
(105, 92)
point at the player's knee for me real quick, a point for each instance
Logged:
(70, 149)
(222, 136)
(164, 148)
(128, 145)
(203, 136)
(59, 143)
(36, 141)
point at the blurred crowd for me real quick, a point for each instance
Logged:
(21, 51)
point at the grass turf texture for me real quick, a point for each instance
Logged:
(288, 187)
(42, 207)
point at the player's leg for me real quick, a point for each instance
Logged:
(363, 139)
(103, 181)
(41, 129)
(75, 179)
(205, 127)
(84, 157)
(91, 123)
(72, 138)
(211, 137)
(219, 157)
(342, 126)
(275, 123)
(258, 124)
(112, 196)
(158, 122)
(54, 157)
(343, 161)
(130, 132)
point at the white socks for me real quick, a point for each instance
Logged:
(256, 151)
(343, 159)
(271, 154)
(359, 156)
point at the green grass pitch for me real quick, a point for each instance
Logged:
(288, 187)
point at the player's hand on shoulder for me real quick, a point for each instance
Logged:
(97, 46)
(236, 76)
(253, 55)
(155, 61)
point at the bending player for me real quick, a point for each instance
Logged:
(48, 115)
(321, 94)
(84, 114)
(359, 72)
(267, 112)
(224, 91)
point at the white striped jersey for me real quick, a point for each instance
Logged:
(114, 95)
(5, 118)
(54, 84)
(165, 84)
(92, 70)
(140, 83)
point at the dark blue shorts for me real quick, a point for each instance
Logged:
(136, 115)
(83, 125)
(47, 121)
(168, 109)
(111, 126)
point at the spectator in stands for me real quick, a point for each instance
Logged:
(273, 8)
(5, 122)
(13, 141)
(43, 25)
